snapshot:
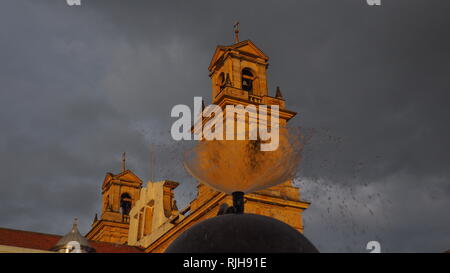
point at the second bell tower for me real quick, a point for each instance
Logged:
(119, 194)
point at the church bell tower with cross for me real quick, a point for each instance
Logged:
(119, 194)
(238, 75)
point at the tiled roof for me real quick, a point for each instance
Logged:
(42, 241)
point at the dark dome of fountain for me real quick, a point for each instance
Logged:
(241, 233)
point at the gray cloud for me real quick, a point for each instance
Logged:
(82, 84)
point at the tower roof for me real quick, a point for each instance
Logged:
(73, 236)
(126, 176)
(246, 47)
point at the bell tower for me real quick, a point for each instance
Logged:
(238, 74)
(119, 194)
(242, 67)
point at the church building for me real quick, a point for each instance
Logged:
(138, 218)
(238, 75)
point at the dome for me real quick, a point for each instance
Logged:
(73, 242)
(241, 233)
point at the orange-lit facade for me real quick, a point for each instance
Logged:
(239, 76)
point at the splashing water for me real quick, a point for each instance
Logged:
(240, 165)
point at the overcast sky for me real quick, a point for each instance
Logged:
(81, 85)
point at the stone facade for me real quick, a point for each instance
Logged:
(154, 213)
(119, 194)
(239, 76)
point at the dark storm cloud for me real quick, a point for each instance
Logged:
(57, 130)
(82, 84)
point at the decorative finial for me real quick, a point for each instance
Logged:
(278, 94)
(74, 224)
(236, 32)
(123, 161)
